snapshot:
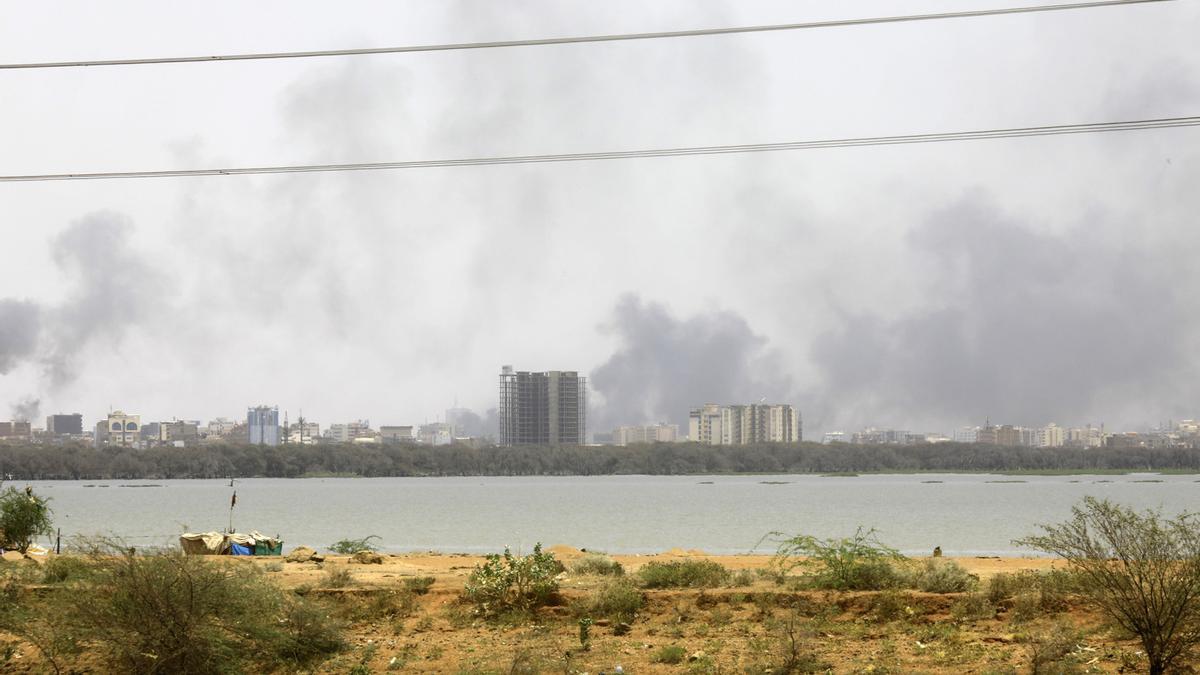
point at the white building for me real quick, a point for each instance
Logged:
(744, 424)
(966, 435)
(345, 433)
(397, 434)
(220, 427)
(831, 437)
(436, 433)
(119, 429)
(646, 433)
(1050, 436)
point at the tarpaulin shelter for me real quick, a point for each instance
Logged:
(236, 543)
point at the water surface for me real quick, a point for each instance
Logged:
(965, 514)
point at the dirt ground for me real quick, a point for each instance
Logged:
(751, 628)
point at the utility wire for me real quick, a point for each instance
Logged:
(837, 23)
(1019, 132)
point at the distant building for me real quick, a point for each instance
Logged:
(436, 433)
(16, 429)
(397, 434)
(1006, 435)
(65, 425)
(177, 433)
(967, 435)
(832, 437)
(220, 427)
(647, 433)
(349, 432)
(119, 429)
(304, 433)
(744, 424)
(262, 425)
(547, 408)
(1051, 436)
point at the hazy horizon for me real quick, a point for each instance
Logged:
(924, 287)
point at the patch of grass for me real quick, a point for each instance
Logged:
(617, 600)
(61, 569)
(670, 654)
(418, 585)
(337, 576)
(598, 564)
(973, 607)
(683, 574)
(857, 563)
(934, 575)
(891, 606)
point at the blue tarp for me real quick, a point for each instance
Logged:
(238, 549)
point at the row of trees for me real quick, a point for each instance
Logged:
(83, 462)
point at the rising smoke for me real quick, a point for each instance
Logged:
(111, 290)
(1021, 326)
(664, 365)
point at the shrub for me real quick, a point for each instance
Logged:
(511, 582)
(669, 654)
(1140, 569)
(859, 563)
(418, 585)
(973, 607)
(599, 565)
(683, 574)
(170, 612)
(617, 600)
(23, 517)
(1049, 589)
(1026, 606)
(742, 578)
(942, 576)
(891, 606)
(352, 546)
(1048, 650)
(61, 569)
(337, 577)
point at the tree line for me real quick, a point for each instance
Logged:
(83, 462)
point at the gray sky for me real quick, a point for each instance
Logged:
(925, 287)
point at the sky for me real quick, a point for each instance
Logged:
(923, 287)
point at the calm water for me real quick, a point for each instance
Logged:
(964, 514)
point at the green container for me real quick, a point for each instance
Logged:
(265, 548)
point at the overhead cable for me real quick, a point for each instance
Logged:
(835, 23)
(1019, 132)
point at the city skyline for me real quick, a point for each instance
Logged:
(918, 286)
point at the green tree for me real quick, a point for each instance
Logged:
(23, 517)
(1140, 569)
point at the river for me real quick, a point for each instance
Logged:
(965, 514)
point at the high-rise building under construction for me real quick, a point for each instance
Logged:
(547, 408)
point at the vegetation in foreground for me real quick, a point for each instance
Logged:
(1127, 603)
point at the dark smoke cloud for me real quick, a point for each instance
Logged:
(1022, 326)
(19, 325)
(112, 289)
(664, 365)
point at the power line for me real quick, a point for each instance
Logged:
(837, 23)
(1019, 132)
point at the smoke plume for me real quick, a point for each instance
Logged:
(26, 410)
(664, 366)
(111, 289)
(1024, 326)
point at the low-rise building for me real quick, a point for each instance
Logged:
(397, 433)
(119, 429)
(65, 425)
(348, 432)
(646, 433)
